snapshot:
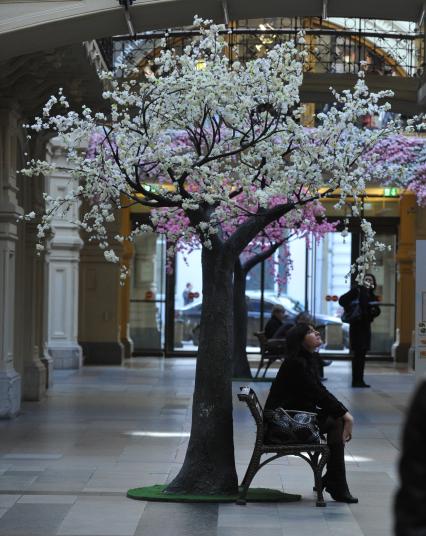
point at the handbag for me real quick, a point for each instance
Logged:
(352, 313)
(292, 427)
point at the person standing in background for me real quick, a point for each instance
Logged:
(187, 294)
(360, 328)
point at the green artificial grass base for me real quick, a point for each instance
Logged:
(156, 493)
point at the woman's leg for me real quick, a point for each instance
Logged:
(358, 365)
(336, 473)
(335, 479)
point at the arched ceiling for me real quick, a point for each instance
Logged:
(29, 26)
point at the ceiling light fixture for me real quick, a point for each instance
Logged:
(324, 9)
(225, 11)
(126, 4)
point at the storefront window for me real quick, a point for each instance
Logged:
(187, 300)
(147, 304)
(383, 327)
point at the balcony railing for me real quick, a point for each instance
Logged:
(106, 48)
(334, 46)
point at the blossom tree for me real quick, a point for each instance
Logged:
(402, 159)
(242, 135)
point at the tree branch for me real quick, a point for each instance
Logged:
(262, 256)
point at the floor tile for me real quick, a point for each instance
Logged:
(47, 499)
(170, 519)
(102, 516)
(32, 520)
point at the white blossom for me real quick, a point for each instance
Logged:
(110, 256)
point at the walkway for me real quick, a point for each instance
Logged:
(66, 463)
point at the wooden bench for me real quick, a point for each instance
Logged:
(315, 455)
(270, 351)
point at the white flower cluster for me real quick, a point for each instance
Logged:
(369, 245)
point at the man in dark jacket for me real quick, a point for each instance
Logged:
(410, 504)
(275, 322)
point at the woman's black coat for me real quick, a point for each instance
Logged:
(360, 331)
(410, 504)
(298, 386)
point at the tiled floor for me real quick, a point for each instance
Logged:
(66, 463)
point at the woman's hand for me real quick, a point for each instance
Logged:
(348, 422)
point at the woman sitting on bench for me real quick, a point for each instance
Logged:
(298, 387)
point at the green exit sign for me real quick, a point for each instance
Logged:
(390, 192)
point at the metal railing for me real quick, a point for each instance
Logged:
(106, 48)
(334, 45)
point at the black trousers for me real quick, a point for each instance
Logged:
(335, 477)
(358, 365)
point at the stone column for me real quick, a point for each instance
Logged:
(99, 307)
(144, 328)
(29, 299)
(34, 372)
(43, 322)
(63, 256)
(405, 258)
(10, 381)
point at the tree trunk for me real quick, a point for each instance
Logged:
(241, 367)
(209, 466)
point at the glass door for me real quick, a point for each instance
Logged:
(148, 296)
(383, 327)
(187, 301)
(327, 267)
(327, 279)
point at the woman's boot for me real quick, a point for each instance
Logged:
(335, 479)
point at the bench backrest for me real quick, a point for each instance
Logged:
(261, 337)
(248, 396)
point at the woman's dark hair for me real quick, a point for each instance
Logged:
(304, 318)
(295, 337)
(374, 280)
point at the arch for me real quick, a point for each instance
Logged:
(26, 27)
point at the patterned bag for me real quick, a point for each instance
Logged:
(291, 427)
(353, 313)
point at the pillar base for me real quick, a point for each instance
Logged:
(102, 353)
(66, 357)
(128, 348)
(48, 364)
(34, 381)
(400, 352)
(10, 393)
(146, 338)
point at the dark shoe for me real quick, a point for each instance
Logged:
(360, 384)
(341, 496)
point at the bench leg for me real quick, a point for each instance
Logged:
(319, 461)
(248, 477)
(270, 361)
(259, 368)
